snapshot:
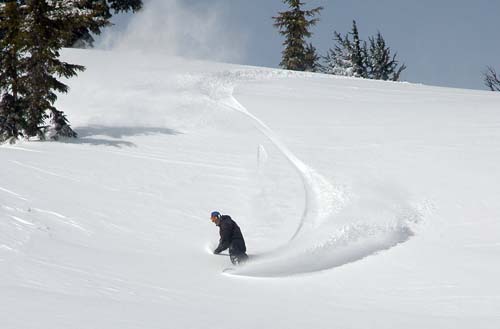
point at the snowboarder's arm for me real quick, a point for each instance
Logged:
(225, 238)
(223, 245)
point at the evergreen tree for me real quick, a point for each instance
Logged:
(32, 32)
(11, 73)
(82, 35)
(295, 25)
(491, 79)
(358, 54)
(311, 59)
(348, 57)
(338, 61)
(49, 24)
(382, 66)
(352, 57)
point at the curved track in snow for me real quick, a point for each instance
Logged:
(319, 242)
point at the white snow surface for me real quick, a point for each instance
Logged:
(364, 204)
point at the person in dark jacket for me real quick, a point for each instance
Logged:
(230, 237)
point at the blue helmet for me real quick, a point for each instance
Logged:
(215, 214)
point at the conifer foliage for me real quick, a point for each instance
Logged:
(349, 56)
(381, 65)
(32, 32)
(311, 59)
(295, 25)
(358, 54)
(11, 88)
(82, 35)
(338, 61)
(353, 57)
(492, 80)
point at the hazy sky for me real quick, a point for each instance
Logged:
(443, 42)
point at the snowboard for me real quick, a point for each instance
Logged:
(237, 262)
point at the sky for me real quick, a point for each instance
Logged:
(442, 42)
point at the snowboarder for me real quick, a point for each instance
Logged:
(230, 237)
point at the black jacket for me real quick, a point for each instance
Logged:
(230, 237)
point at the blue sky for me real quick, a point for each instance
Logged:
(443, 42)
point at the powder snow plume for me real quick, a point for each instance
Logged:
(178, 28)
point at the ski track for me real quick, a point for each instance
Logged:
(17, 148)
(63, 219)
(22, 221)
(309, 249)
(13, 193)
(150, 290)
(45, 171)
(177, 162)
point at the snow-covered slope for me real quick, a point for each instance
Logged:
(364, 204)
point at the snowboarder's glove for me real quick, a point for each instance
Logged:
(216, 252)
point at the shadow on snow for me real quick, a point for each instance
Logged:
(87, 135)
